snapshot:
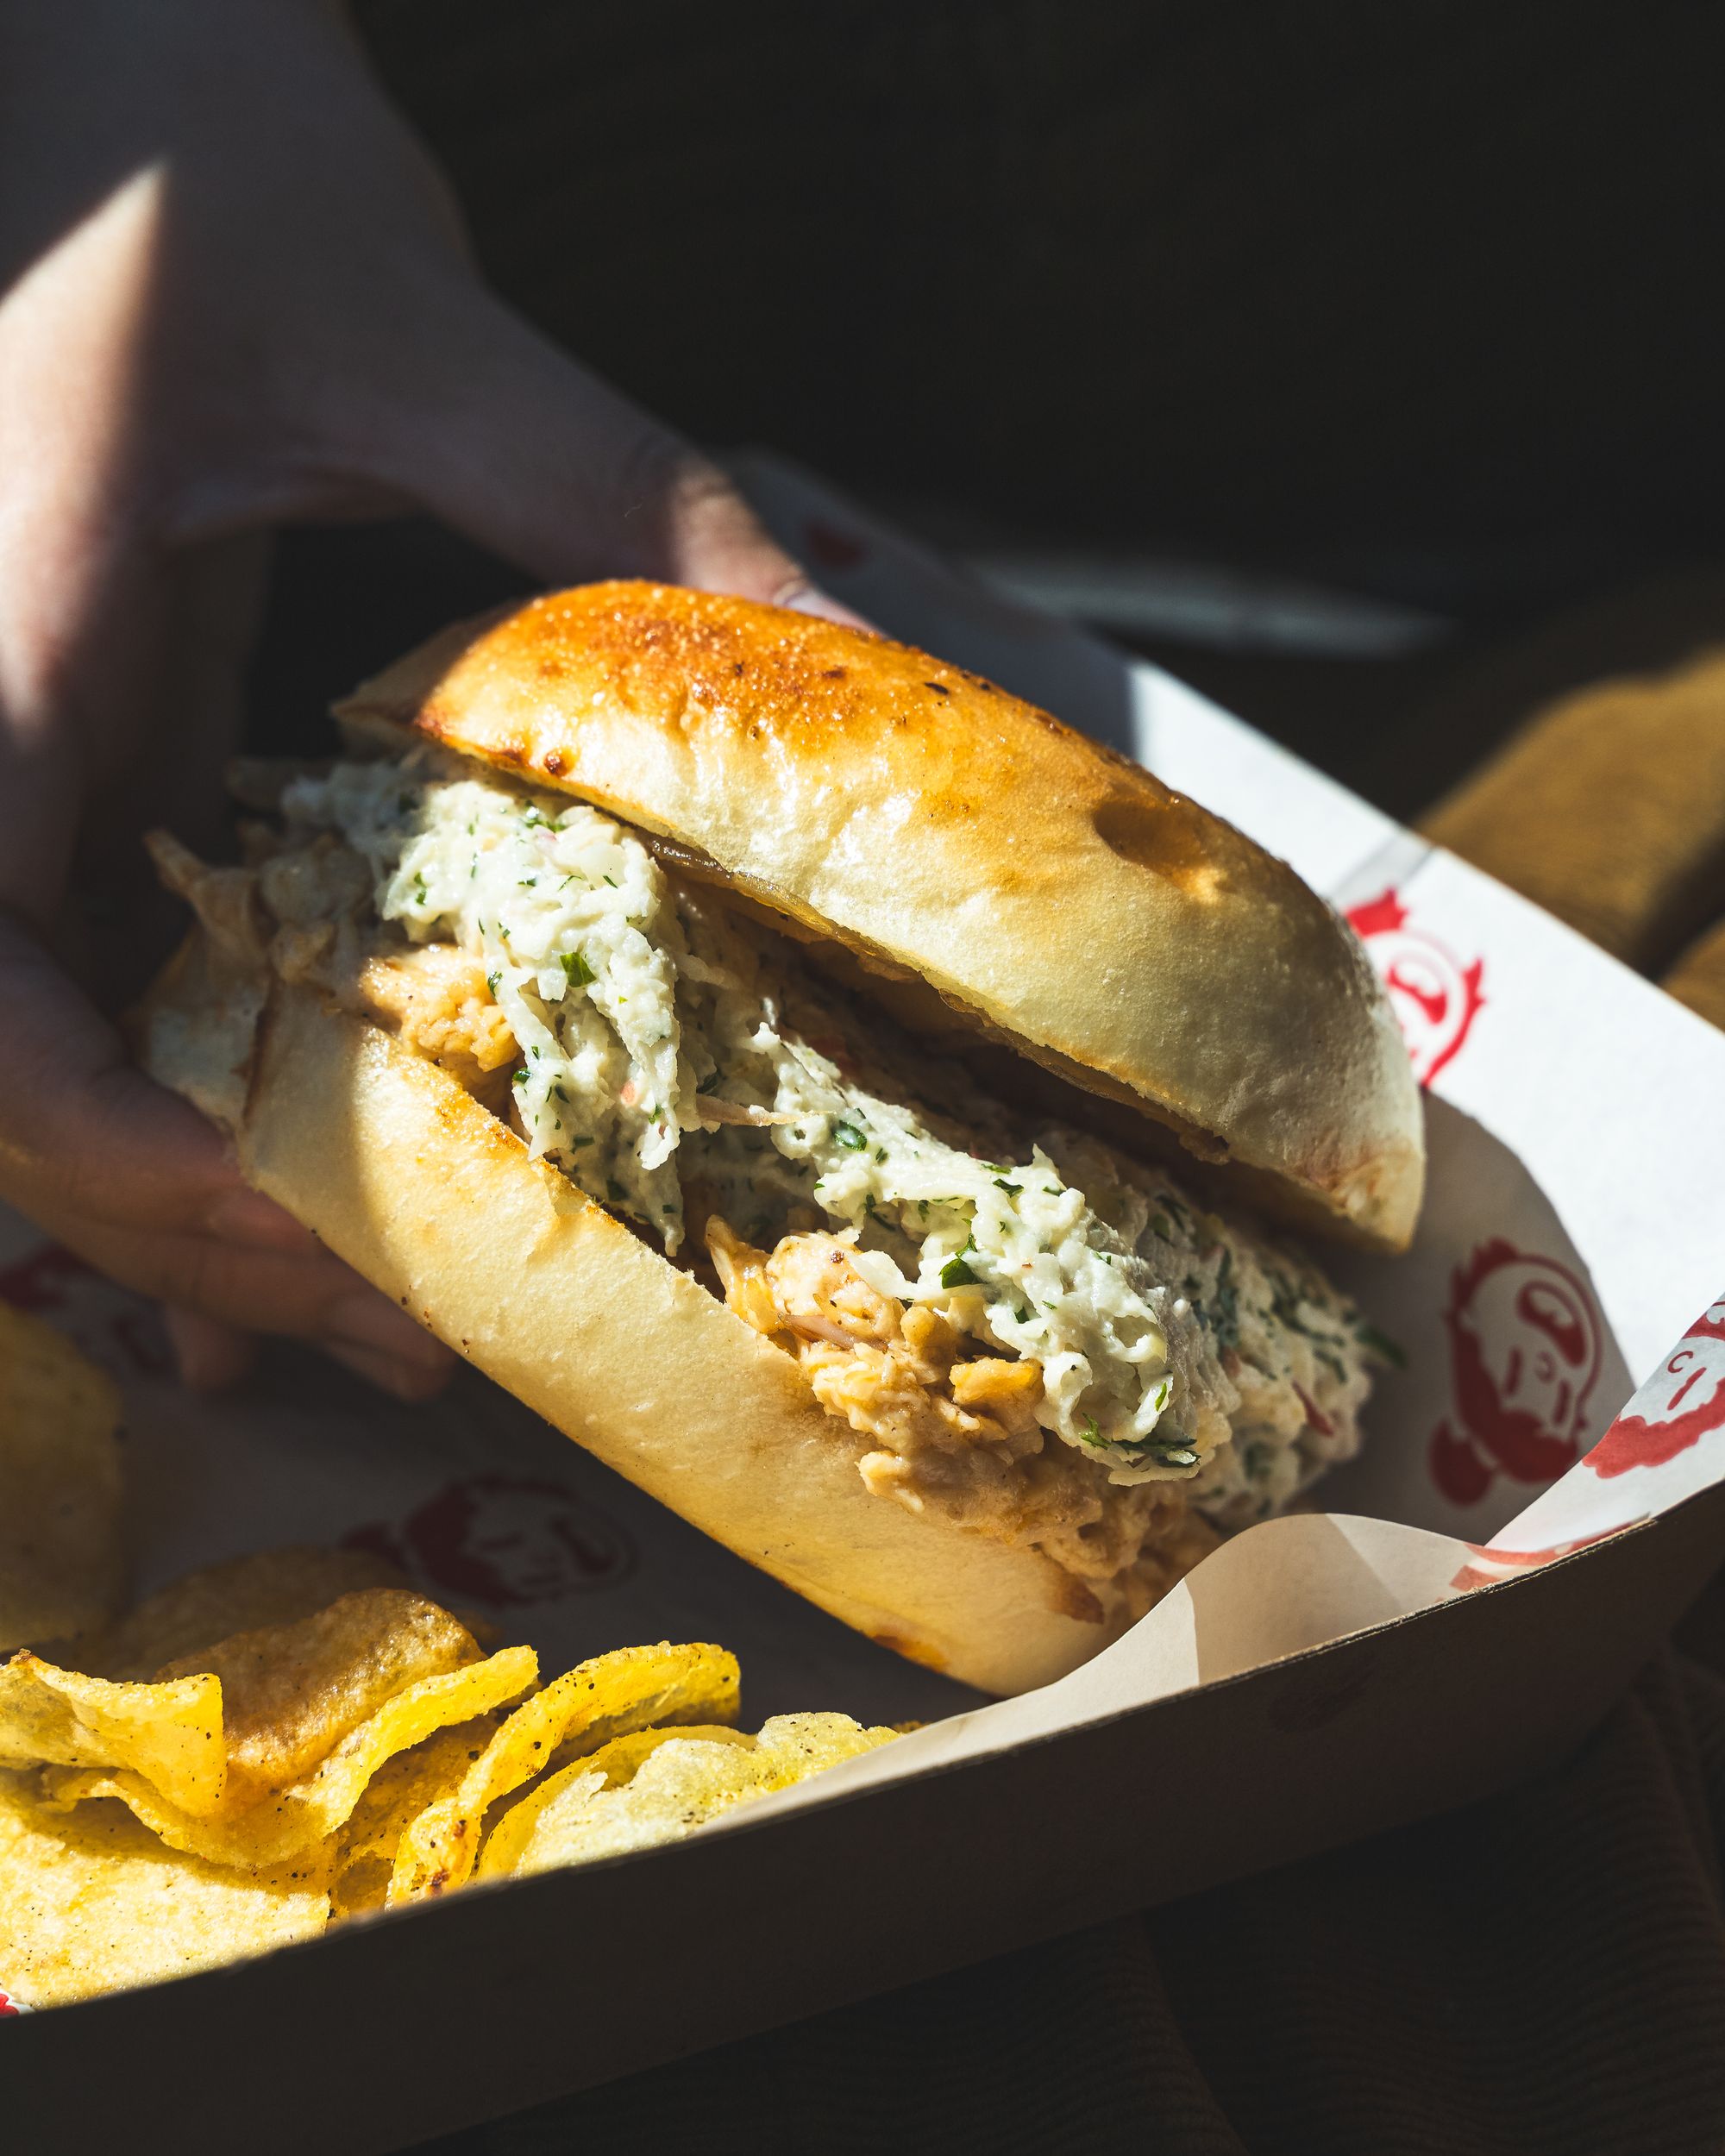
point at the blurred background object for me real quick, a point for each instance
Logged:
(1417, 300)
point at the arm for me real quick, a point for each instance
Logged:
(234, 292)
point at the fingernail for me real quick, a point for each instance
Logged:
(211, 1356)
(405, 1380)
(368, 1322)
(246, 1216)
(803, 597)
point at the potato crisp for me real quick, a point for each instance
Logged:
(288, 1823)
(633, 1794)
(93, 1902)
(168, 1736)
(61, 1566)
(288, 1741)
(269, 1586)
(606, 1697)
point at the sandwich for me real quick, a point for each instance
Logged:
(878, 1121)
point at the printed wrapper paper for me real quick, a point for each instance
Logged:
(1574, 1230)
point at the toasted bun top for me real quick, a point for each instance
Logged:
(1050, 892)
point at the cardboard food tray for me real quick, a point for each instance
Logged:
(1514, 1541)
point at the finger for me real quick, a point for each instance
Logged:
(247, 1218)
(83, 1133)
(211, 1289)
(137, 1183)
(212, 1356)
(513, 441)
(365, 1324)
(407, 1381)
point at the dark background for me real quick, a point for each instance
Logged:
(1411, 301)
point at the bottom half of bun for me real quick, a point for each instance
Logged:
(425, 1192)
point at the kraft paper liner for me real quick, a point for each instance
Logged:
(1578, 1177)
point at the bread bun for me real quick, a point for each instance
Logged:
(947, 837)
(1054, 894)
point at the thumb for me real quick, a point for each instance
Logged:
(508, 439)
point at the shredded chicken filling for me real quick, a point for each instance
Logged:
(961, 1434)
(1050, 1342)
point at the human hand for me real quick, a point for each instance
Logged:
(235, 293)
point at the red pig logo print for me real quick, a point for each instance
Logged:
(504, 1541)
(1524, 1357)
(1678, 1406)
(1435, 997)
